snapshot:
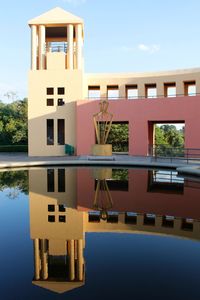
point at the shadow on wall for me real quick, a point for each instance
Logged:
(49, 133)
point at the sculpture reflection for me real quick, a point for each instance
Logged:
(67, 203)
(102, 199)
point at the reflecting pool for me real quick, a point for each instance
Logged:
(84, 233)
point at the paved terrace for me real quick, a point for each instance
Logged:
(22, 160)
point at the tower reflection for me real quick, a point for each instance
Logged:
(56, 229)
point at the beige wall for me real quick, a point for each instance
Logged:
(39, 201)
(39, 112)
(140, 79)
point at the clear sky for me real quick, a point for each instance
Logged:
(120, 36)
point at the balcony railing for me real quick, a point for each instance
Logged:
(56, 47)
(174, 153)
(142, 97)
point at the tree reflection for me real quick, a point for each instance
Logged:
(15, 180)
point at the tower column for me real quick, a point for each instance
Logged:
(71, 260)
(33, 47)
(70, 42)
(80, 260)
(42, 47)
(44, 257)
(37, 259)
(79, 46)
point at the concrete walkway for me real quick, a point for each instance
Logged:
(22, 160)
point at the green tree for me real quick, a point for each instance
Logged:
(169, 140)
(13, 123)
(159, 136)
(173, 136)
(118, 137)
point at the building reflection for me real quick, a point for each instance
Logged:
(67, 203)
(163, 181)
(56, 229)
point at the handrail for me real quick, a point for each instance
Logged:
(163, 151)
(142, 97)
(56, 47)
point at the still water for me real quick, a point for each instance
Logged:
(69, 233)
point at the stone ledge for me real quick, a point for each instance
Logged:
(101, 158)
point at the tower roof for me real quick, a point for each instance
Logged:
(58, 287)
(56, 16)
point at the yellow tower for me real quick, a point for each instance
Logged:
(55, 81)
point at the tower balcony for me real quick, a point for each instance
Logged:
(56, 56)
(56, 47)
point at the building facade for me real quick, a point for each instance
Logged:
(62, 97)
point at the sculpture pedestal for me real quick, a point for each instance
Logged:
(102, 174)
(102, 150)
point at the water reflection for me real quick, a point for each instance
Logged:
(56, 229)
(67, 203)
(16, 182)
(102, 198)
(165, 181)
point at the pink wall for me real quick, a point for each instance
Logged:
(138, 113)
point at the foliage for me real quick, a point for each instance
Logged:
(169, 135)
(13, 123)
(14, 179)
(118, 137)
(120, 174)
(169, 140)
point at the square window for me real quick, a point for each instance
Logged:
(149, 219)
(150, 91)
(112, 217)
(94, 92)
(62, 219)
(61, 208)
(113, 92)
(131, 92)
(61, 91)
(94, 217)
(51, 219)
(130, 218)
(170, 89)
(190, 88)
(187, 224)
(50, 102)
(50, 91)
(51, 207)
(168, 221)
(61, 102)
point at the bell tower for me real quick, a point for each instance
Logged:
(56, 31)
(55, 81)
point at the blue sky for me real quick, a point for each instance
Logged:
(120, 36)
